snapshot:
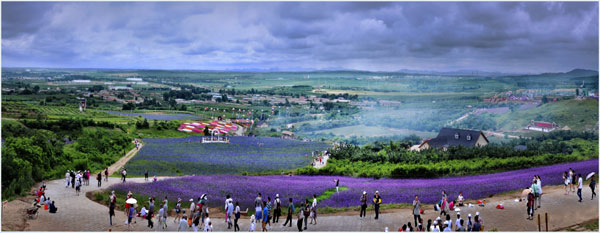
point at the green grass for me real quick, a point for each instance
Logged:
(327, 194)
(592, 226)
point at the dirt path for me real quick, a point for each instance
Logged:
(319, 165)
(117, 166)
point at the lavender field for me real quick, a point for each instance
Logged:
(245, 188)
(188, 156)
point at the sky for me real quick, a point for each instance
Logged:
(511, 37)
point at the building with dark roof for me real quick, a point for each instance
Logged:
(449, 137)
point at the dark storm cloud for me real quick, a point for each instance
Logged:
(495, 36)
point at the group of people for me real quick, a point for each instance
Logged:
(43, 199)
(265, 212)
(572, 180)
(363, 204)
(77, 179)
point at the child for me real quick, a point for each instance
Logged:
(252, 224)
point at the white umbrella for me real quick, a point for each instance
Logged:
(526, 192)
(590, 176)
(131, 201)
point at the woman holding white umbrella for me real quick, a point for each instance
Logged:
(131, 211)
(592, 183)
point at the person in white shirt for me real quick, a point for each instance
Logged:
(460, 200)
(143, 212)
(447, 227)
(67, 179)
(252, 224)
(435, 227)
(207, 224)
(458, 225)
(313, 208)
(539, 187)
(579, 186)
(183, 226)
(192, 206)
(161, 212)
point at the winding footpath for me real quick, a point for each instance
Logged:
(78, 213)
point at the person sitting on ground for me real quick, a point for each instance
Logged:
(53, 208)
(409, 227)
(460, 200)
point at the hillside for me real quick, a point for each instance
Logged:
(576, 114)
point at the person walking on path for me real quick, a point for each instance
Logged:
(183, 226)
(530, 203)
(203, 202)
(289, 213)
(161, 212)
(67, 179)
(363, 205)
(146, 176)
(593, 185)
(313, 208)
(196, 221)
(337, 185)
(178, 211)
(229, 214)
(377, 202)
(130, 216)
(238, 214)
(72, 174)
(299, 221)
(534, 190)
(306, 214)
(444, 205)
(277, 211)
(99, 179)
(111, 208)
(566, 182)
(150, 212)
(539, 191)
(258, 206)
(416, 209)
(106, 175)
(579, 187)
(124, 174)
(265, 215)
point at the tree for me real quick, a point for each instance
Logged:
(206, 132)
(36, 89)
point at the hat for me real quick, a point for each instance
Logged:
(434, 222)
(364, 192)
(445, 222)
(191, 199)
(469, 215)
(458, 213)
(457, 209)
(376, 191)
(438, 218)
(277, 195)
(477, 213)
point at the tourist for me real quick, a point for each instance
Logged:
(409, 227)
(534, 190)
(480, 220)
(402, 228)
(196, 220)
(161, 212)
(53, 208)
(539, 187)
(277, 213)
(124, 174)
(444, 209)
(67, 179)
(150, 212)
(183, 223)
(306, 213)
(154, 179)
(203, 204)
(477, 224)
(566, 182)
(227, 210)
(461, 228)
(313, 208)
(166, 204)
(447, 227)
(416, 209)
(290, 212)
(377, 202)
(130, 216)
(165, 212)
(72, 175)
(106, 174)
(530, 204)
(193, 205)
(238, 214)
(178, 211)
(258, 206)
(573, 178)
(579, 186)
(593, 186)
(420, 226)
(146, 175)
(113, 202)
(265, 216)
(143, 212)
(449, 221)
(252, 223)
(469, 223)
(460, 200)
(458, 223)
(99, 179)
(429, 226)
(77, 186)
(337, 185)
(269, 207)
(207, 224)
(363, 205)
(299, 221)
(435, 227)
(229, 214)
